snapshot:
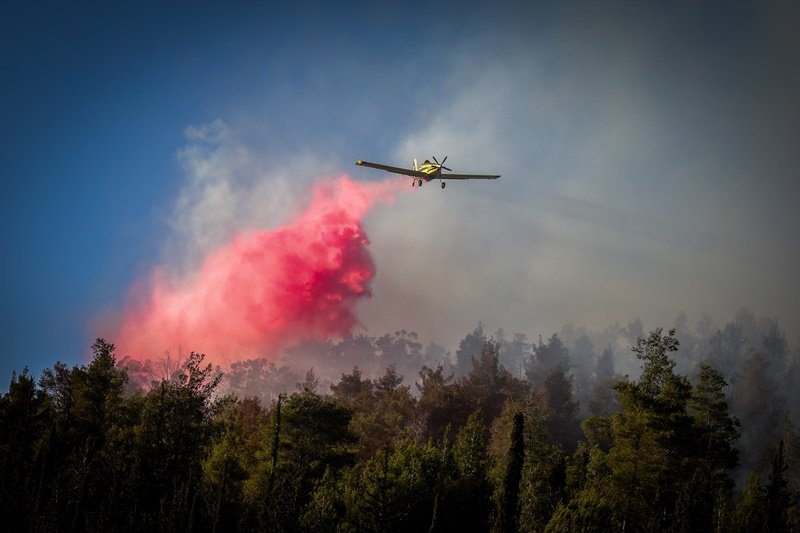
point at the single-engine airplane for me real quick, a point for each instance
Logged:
(427, 171)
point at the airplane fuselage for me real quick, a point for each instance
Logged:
(431, 170)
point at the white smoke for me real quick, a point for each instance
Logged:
(228, 186)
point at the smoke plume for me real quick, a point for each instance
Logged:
(263, 289)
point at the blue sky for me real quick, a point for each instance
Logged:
(648, 155)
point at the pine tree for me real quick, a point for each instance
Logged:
(777, 498)
(562, 424)
(25, 418)
(469, 347)
(652, 438)
(509, 507)
(544, 358)
(718, 430)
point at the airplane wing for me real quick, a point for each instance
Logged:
(469, 177)
(396, 170)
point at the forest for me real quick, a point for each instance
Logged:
(680, 430)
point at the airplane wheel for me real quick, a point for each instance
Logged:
(419, 183)
(413, 182)
(443, 184)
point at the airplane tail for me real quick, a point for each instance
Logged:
(415, 164)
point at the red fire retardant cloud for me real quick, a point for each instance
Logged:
(264, 289)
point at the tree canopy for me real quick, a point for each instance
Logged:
(471, 446)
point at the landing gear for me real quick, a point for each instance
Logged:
(443, 184)
(419, 183)
(413, 182)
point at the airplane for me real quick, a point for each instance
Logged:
(427, 171)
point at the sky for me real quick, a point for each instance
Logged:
(648, 154)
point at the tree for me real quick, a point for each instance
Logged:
(514, 353)
(583, 361)
(255, 456)
(439, 404)
(469, 492)
(604, 368)
(725, 350)
(225, 468)
(87, 408)
(314, 437)
(509, 506)
(777, 498)
(259, 378)
(652, 438)
(469, 347)
(173, 438)
(774, 347)
(544, 358)
(397, 490)
(562, 424)
(310, 382)
(25, 418)
(327, 509)
(543, 474)
(98, 398)
(718, 431)
(389, 381)
(769, 507)
(710, 485)
(488, 385)
(385, 416)
(789, 380)
(587, 512)
(748, 515)
(603, 400)
(635, 330)
(401, 350)
(759, 406)
(316, 432)
(352, 387)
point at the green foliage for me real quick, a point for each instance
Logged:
(653, 437)
(327, 508)
(352, 388)
(25, 417)
(718, 431)
(544, 358)
(488, 385)
(314, 437)
(543, 474)
(315, 432)
(562, 423)
(776, 495)
(173, 437)
(82, 450)
(225, 467)
(439, 403)
(398, 489)
(587, 511)
(509, 504)
(469, 488)
(760, 407)
(383, 416)
(469, 348)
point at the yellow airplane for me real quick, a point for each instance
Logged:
(427, 171)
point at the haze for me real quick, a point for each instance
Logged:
(648, 158)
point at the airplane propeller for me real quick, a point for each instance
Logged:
(441, 165)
